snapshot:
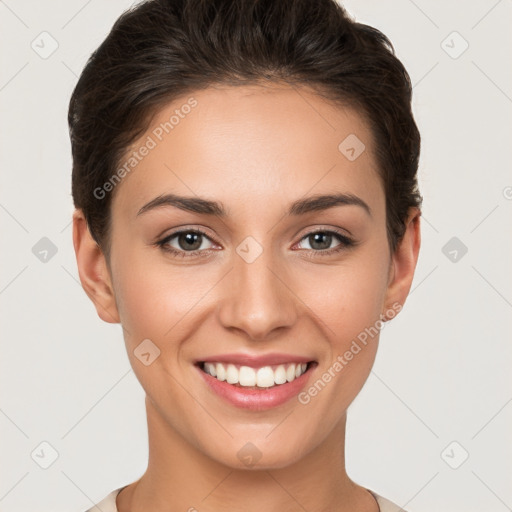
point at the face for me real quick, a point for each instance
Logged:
(263, 271)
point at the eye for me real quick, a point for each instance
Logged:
(188, 242)
(321, 240)
(191, 243)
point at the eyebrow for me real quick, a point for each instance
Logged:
(299, 207)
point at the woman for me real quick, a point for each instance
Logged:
(244, 177)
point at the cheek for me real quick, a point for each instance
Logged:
(161, 302)
(347, 298)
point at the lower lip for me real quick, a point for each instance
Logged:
(257, 399)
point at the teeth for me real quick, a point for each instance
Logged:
(218, 370)
(247, 376)
(280, 375)
(264, 377)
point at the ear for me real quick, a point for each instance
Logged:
(403, 263)
(93, 271)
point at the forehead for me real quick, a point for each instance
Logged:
(245, 143)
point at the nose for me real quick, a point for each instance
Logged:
(256, 297)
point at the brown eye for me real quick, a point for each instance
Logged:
(321, 242)
(189, 242)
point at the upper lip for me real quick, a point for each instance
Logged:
(256, 361)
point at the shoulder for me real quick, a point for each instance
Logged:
(384, 504)
(107, 504)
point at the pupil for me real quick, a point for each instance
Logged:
(317, 236)
(191, 241)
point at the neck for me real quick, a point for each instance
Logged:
(181, 476)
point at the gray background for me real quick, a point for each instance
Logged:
(440, 389)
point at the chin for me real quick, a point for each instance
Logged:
(257, 456)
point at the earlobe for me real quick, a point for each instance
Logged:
(93, 271)
(403, 263)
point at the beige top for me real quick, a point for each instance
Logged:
(108, 504)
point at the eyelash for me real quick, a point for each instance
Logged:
(345, 243)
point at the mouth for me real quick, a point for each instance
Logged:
(249, 377)
(255, 388)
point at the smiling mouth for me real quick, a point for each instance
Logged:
(264, 377)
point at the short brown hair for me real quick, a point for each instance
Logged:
(162, 49)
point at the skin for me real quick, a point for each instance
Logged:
(255, 149)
